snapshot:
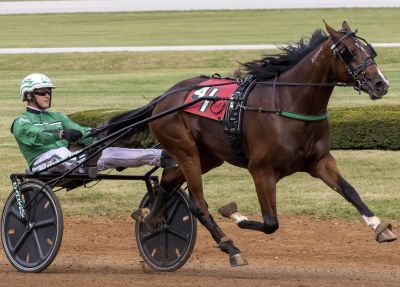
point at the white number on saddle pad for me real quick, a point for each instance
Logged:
(202, 93)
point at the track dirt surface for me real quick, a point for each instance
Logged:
(304, 252)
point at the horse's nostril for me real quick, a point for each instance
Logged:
(380, 86)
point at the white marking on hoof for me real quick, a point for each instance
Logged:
(372, 221)
(237, 217)
(231, 211)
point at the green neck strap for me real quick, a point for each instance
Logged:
(290, 115)
(302, 117)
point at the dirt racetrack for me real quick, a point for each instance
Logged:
(304, 252)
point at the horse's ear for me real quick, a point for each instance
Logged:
(346, 26)
(330, 30)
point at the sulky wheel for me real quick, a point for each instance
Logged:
(170, 247)
(32, 245)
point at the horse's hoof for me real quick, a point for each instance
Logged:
(383, 233)
(237, 260)
(228, 210)
(140, 214)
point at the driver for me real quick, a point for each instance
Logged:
(44, 137)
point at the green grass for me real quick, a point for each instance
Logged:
(191, 27)
(123, 80)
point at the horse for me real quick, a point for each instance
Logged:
(284, 129)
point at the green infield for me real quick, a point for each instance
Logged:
(191, 27)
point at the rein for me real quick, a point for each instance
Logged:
(251, 109)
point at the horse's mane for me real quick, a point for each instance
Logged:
(270, 66)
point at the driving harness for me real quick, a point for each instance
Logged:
(234, 115)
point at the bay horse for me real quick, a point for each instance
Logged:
(300, 81)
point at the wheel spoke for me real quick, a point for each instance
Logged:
(28, 200)
(19, 243)
(174, 209)
(13, 211)
(29, 210)
(37, 243)
(45, 223)
(171, 200)
(165, 261)
(178, 234)
(149, 236)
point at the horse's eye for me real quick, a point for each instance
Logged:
(347, 54)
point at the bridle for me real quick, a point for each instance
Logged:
(341, 51)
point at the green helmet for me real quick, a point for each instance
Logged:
(32, 82)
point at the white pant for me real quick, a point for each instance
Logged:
(111, 157)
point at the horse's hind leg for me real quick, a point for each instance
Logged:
(328, 172)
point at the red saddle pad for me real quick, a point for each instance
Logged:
(211, 109)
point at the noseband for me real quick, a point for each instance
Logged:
(346, 55)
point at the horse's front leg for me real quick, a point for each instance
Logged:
(193, 167)
(265, 183)
(225, 244)
(326, 169)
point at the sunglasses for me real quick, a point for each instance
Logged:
(42, 93)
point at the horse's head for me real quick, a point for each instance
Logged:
(354, 59)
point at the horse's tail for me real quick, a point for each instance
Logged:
(140, 136)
